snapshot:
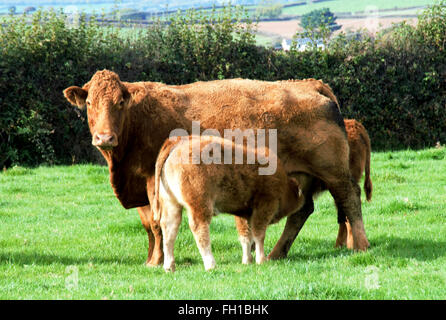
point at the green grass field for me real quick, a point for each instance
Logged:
(355, 5)
(64, 235)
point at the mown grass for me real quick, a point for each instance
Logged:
(64, 235)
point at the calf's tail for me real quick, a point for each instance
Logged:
(368, 187)
(160, 161)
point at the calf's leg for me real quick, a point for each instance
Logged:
(170, 223)
(262, 214)
(199, 221)
(341, 239)
(245, 238)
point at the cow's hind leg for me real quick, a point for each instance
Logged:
(333, 169)
(348, 201)
(199, 221)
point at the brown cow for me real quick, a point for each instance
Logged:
(207, 188)
(130, 121)
(360, 152)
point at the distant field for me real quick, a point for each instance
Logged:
(64, 235)
(355, 5)
(287, 28)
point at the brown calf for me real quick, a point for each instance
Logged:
(360, 152)
(206, 189)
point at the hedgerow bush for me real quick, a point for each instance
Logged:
(394, 83)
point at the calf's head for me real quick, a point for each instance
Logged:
(108, 101)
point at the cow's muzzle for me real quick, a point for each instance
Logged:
(105, 140)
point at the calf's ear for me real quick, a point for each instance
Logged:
(76, 96)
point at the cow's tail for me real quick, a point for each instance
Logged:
(160, 161)
(368, 187)
(326, 90)
(321, 87)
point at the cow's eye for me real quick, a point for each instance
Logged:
(88, 103)
(121, 104)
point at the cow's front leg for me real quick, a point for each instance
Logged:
(293, 226)
(144, 214)
(156, 236)
(157, 256)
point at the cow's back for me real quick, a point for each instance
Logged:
(243, 103)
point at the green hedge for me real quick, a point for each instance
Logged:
(394, 84)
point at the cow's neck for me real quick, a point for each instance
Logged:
(147, 127)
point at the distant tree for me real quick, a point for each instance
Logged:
(318, 26)
(317, 18)
(12, 9)
(269, 9)
(29, 9)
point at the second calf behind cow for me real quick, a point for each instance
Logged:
(207, 189)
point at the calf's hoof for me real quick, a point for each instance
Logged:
(261, 260)
(170, 268)
(247, 260)
(209, 265)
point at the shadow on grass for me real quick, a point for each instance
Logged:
(308, 249)
(383, 247)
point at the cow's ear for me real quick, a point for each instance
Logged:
(76, 96)
(134, 94)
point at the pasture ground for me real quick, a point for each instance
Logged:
(288, 28)
(63, 235)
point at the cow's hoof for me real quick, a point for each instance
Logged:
(339, 244)
(360, 242)
(153, 263)
(277, 255)
(361, 245)
(149, 264)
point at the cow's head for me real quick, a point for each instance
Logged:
(108, 101)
